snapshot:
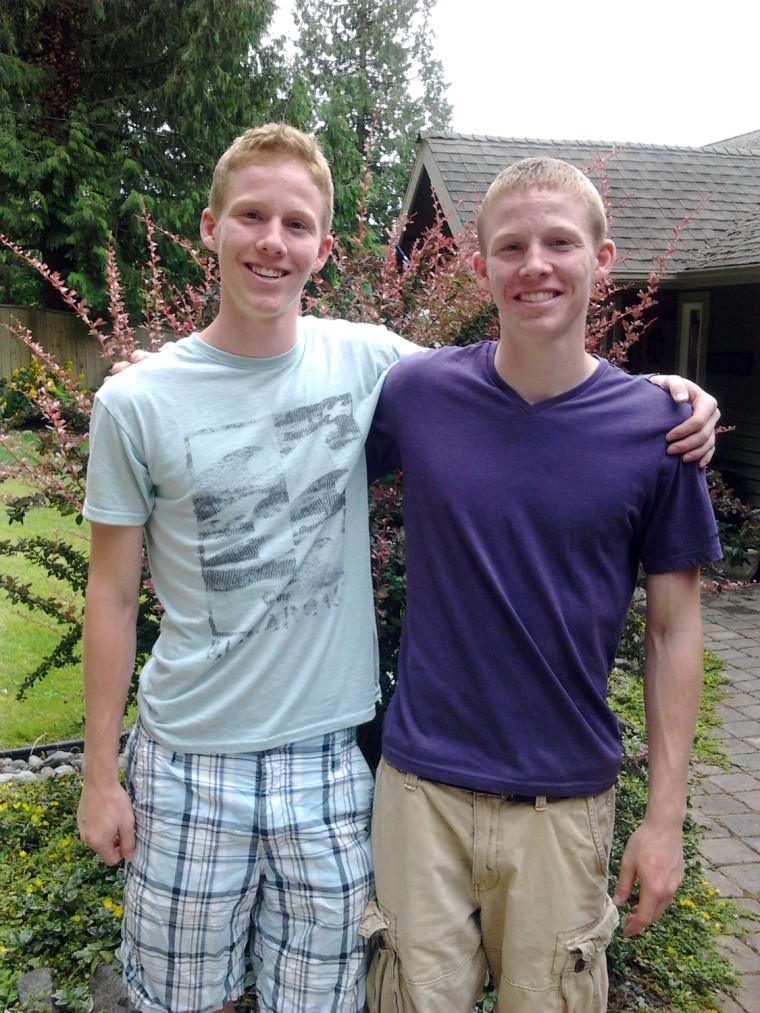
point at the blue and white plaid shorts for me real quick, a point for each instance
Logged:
(269, 850)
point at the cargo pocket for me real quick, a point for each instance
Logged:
(583, 980)
(386, 991)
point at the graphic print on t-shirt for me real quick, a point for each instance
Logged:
(270, 510)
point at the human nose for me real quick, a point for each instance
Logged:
(535, 262)
(271, 239)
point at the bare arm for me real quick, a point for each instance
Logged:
(694, 438)
(672, 688)
(106, 821)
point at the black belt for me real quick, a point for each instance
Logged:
(532, 799)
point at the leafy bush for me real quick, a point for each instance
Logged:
(60, 907)
(54, 462)
(738, 522)
(20, 391)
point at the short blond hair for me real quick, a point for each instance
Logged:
(546, 174)
(269, 142)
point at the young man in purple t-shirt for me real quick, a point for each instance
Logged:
(536, 480)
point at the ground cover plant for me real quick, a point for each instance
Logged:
(434, 300)
(60, 907)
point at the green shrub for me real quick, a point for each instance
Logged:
(60, 907)
(738, 522)
(20, 395)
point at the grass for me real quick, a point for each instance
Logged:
(52, 709)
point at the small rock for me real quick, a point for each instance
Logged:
(35, 991)
(107, 991)
(25, 777)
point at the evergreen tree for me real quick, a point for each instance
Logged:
(107, 102)
(374, 84)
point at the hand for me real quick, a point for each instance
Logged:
(137, 356)
(655, 859)
(695, 437)
(107, 823)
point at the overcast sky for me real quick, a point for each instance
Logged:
(658, 71)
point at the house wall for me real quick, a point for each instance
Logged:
(657, 350)
(733, 376)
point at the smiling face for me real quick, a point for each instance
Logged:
(269, 237)
(539, 259)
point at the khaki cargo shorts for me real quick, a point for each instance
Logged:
(468, 882)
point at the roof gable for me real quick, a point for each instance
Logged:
(653, 189)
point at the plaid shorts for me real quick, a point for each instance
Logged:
(266, 850)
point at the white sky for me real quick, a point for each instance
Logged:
(657, 71)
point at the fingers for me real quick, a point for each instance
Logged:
(695, 438)
(137, 356)
(107, 825)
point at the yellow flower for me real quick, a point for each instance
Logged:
(38, 881)
(76, 918)
(118, 911)
(108, 903)
(23, 854)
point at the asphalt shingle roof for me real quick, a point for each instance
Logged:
(653, 189)
(739, 246)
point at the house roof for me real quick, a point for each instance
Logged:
(739, 246)
(750, 140)
(653, 189)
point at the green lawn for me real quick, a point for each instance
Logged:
(52, 709)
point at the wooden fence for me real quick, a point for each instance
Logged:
(60, 333)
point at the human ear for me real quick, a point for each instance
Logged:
(480, 267)
(606, 257)
(208, 229)
(323, 252)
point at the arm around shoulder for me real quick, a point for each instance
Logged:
(695, 436)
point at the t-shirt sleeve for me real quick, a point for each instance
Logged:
(381, 449)
(680, 530)
(119, 487)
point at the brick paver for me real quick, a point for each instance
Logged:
(726, 803)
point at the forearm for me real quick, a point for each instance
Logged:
(108, 656)
(108, 649)
(672, 689)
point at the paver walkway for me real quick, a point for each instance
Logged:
(727, 802)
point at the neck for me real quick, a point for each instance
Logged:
(254, 340)
(540, 374)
